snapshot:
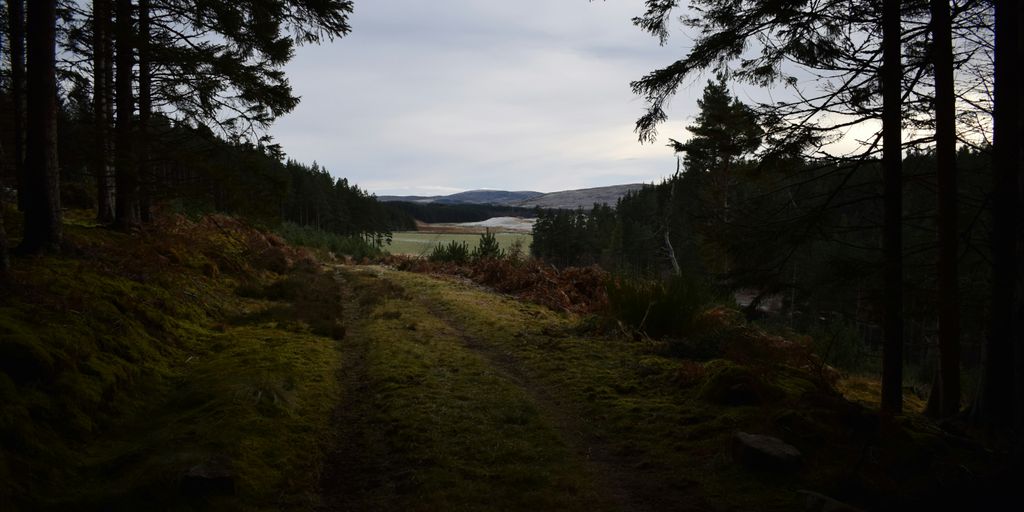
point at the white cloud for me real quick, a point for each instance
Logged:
(428, 96)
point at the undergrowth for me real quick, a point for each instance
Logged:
(657, 308)
(574, 289)
(354, 247)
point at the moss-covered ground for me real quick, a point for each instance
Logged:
(129, 360)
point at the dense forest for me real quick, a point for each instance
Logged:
(912, 242)
(174, 123)
(440, 212)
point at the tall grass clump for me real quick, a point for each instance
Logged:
(353, 246)
(657, 309)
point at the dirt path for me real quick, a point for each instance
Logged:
(349, 468)
(438, 414)
(615, 484)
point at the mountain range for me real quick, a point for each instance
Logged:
(565, 199)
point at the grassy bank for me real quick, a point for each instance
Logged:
(133, 363)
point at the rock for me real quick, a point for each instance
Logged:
(820, 503)
(211, 478)
(764, 452)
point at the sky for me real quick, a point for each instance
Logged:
(436, 97)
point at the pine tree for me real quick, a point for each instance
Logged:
(725, 131)
(1000, 397)
(947, 392)
(41, 188)
(891, 78)
(16, 31)
(103, 109)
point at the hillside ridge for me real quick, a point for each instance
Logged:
(563, 199)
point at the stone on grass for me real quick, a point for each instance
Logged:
(764, 452)
(817, 502)
(211, 478)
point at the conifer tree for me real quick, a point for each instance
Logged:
(724, 132)
(103, 109)
(41, 188)
(16, 39)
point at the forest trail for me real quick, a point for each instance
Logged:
(455, 401)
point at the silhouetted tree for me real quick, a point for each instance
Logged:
(127, 210)
(42, 230)
(892, 238)
(16, 36)
(103, 109)
(944, 400)
(999, 399)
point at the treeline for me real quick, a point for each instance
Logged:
(786, 236)
(164, 101)
(439, 212)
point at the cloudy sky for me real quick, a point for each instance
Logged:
(434, 97)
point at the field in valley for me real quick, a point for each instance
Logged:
(419, 243)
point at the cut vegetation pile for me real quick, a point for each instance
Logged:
(179, 365)
(574, 289)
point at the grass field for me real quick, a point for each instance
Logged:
(420, 243)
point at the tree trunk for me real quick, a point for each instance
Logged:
(1018, 326)
(103, 168)
(945, 154)
(145, 112)
(16, 26)
(5, 262)
(996, 402)
(892, 243)
(42, 187)
(126, 173)
(667, 226)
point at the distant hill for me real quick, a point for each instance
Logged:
(582, 198)
(567, 199)
(498, 197)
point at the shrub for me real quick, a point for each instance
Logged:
(452, 252)
(657, 308)
(515, 252)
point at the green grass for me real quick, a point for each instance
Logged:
(420, 244)
(445, 431)
(447, 400)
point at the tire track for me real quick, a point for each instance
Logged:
(614, 475)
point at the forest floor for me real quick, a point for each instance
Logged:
(202, 365)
